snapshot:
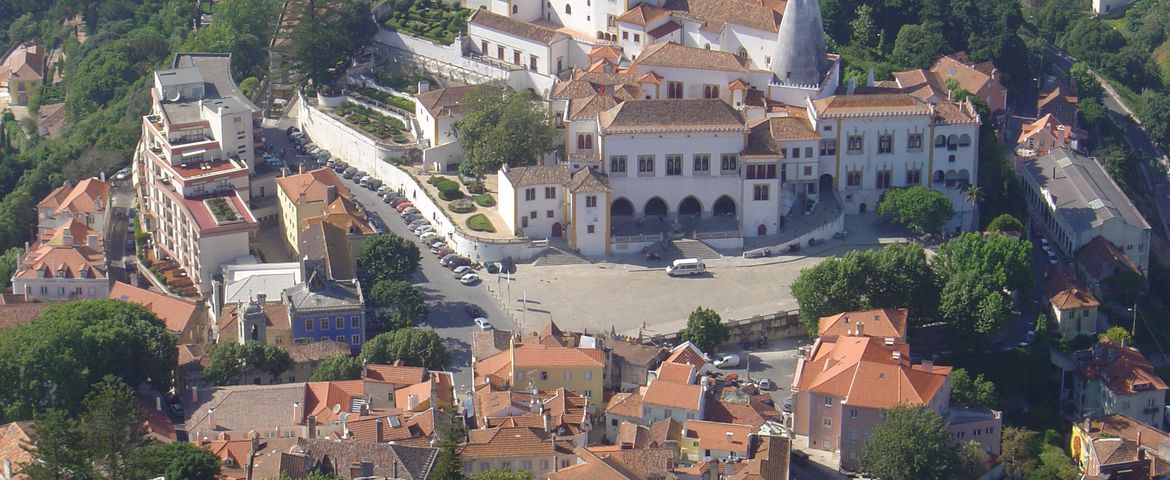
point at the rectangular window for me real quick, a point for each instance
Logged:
(914, 142)
(852, 413)
(532, 214)
(590, 229)
(710, 91)
(829, 147)
(796, 152)
(309, 325)
(549, 214)
(617, 165)
(341, 338)
(483, 47)
(568, 376)
(807, 171)
(886, 143)
(828, 422)
(646, 165)
(324, 324)
(530, 194)
(914, 176)
(808, 152)
(591, 201)
(853, 179)
(760, 193)
(500, 52)
(355, 322)
(625, 35)
(532, 62)
(673, 164)
(728, 163)
(828, 401)
(637, 38)
(701, 163)
(674, 90)
(883, 178)
(339, 323)
(550, 192)
(589, 375)
(856, 142)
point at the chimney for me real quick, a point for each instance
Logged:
(869, 79)
(298, 413)
(927, 364)
(330, 194)
(311, 427)
(158, 402)
(225, 436)
(194, 394)
(424, 86)
(860, 329)
(379, 433)
(547, 422)
(1139, 439)
(411, 402)
(92, 241)
(211, 419)
(301, 168)
(367, 468)
(1088, 425)
(851, 87)
(67, 236)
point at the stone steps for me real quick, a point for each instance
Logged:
(558, 256)
(695, 249)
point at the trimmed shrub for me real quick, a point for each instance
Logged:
(449, 190)
(480, 223)
(485, 200)
(475, 188)
(462, 206)
(434, 180)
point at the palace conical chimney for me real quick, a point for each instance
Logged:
(801, 57)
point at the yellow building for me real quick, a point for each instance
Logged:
(23, 71)
(523, 367)
(304, 196)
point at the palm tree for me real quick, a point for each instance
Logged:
(974, 195)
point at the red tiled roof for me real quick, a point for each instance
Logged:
(1123, 369)
(14, 439)
(395, 374)
(174, 311)
(625, 404)
(313, 184)
(879, 322)
(674, 395)
(88, 196)
(714, 435)
(869, 374)
(15, 314)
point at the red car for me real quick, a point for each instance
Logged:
(403, 206)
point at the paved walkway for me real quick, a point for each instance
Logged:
(824, 212)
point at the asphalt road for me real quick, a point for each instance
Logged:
(447, 297)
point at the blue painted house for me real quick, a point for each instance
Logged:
(321, 309)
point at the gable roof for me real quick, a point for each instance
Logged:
(174, 311)
(674, 395)
(313, 184)
(1083, 194)
(1054, 128)
(443, 102)
(591, 466)
(15, 437)
(1073, 298)
(676, 372)
(642, 14)
(521, 177)
(715, 435)
(393, 461)
(975, 77)
(527, 356)
(626, 404)
(671, 116)
(528, 30)
(26, 62)
(878, 322)
(1101, 259)
(770, 460)
(394, 374)
(88, 196)
(1061, 101)
(504, 442)
(715, 15)
(1124, 370)
(670, 54)
(865, 372)
(588, 180)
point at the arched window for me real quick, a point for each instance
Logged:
(568, 9)
(939, 176)
(515, 9)
(964, 140)
(742, 53)
(706, 46)
(940, 141)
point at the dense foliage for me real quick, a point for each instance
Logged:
(493, 117)
(229, 360)
(436, 20)
(416, 347)
(971, 391)
(911, 443)
(342, 367)
(705, 329)
(329, 32)
(178, 460)
(386, 257)
(919, 208)
(398, 304)
(52, 361)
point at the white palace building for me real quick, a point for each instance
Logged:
(726, 116)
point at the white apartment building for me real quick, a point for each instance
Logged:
(191, 168)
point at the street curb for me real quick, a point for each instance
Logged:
(802, 257)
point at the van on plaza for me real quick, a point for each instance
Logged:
(686, 266)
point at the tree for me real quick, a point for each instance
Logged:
(386, 257)
(1086, 84)
(56, 447)
(8, 262)
(974, 308)
(973, 194)
(865, 32)
(919, 208)
(1019, 450)
(916, 46)
(414, 346)
(229, 361)
(1155, 116)
(1117, 335)
(108, 427)
(911, 443)
(341, 367)
(398, 304)
(249, 85)
(503, 475)
(705, 329)
(488, 133)
(1092, 112)
(973, 461)
(448, 465)
(1005, 223)
(53, 360)
(317, 45)
(972, 392)
(175, 460)
(1004, 260)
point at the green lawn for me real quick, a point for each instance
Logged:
(480, 223)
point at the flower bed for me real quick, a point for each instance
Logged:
(461, 206)
(407, 83)
(374, 123)
(480, 223)
(387, 98)
(222, 210)
(485, 200)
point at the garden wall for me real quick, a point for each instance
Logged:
(351, 145)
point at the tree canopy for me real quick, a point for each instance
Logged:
(972, 392)
(386, 257)
(919, 208)
(416, 347)
(229, 360)
(911, 443)
(918, 45)
(8, 262)
(705, 329)
(503, 126)
(341, 367)
(398, 304)
(974, 308)
(52, 361)
(328, 34)
(1005, 223)
(175, 460)
(1004, 260)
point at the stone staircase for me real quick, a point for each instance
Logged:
(695, 249)
(559, 255)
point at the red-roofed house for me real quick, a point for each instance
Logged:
(88, 202)
(15, 438)
(69, 265)
(704, 440)
(1119, 379)
(524, 367)
(185, 318)
(1044, 135)
(23, 70)
(1119, 447)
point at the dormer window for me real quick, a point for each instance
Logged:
(83, 274)
(61, 273)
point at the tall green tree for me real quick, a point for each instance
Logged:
(341, 367)
(974, 461)
(318, 43)
(972, 392)
(414, 346)
(57, 449)
(175, 460)
(1019, 451)
(974, 308)
(919, 208)
(398, 304)
(1003, 260)
(386, 257)
(705, 329)
(503, 126)
(108, 428)
(911, 443)
(1117, 335)
(1005, 223)
(53, 360)
(8, 262)
(916, 46)
(229, 360)
(448, 464)
(1087, 85)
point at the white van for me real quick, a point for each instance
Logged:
(686, 266)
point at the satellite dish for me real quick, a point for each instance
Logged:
(336, 408)
(174, 95)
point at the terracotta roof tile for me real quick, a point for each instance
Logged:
(770, 460)
(687, 353)
(395, 374)
(527, 356)
(676, 373)
(14, 439)
(174, 311)
(88, 196)
(625, 405)
(504, 442)
(529, 30)
(15, 314)
(444, 101)
(674, 395)
(26, 62)
(1101, 259)
(588, 180)
(714, 435)
(879, 323)
(675, 116)
(1124, 370)
(313, 184)
(866, 372)
(716, 14)
(670, 54)
(538, 175)
(642, 14)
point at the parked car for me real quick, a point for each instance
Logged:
(374, 184)
(365, 181)
(458, 262)
(483, 324)
(349, 172)
(461, 271)
(383, 190)
(1052, 258)
(765, 384)
(428, 237)
(730, 360)
(339, 167)
(409, 210)
(387, 200)
(403, 206)
(788, 405)
(439, 244)
(443, 252)
(469, 279)
(446, 259)
(473, 310)
(416, 223)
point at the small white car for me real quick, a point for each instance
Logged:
(462, 270)
(766, 384)
(483, 323)
(727, 361)
(469, 279)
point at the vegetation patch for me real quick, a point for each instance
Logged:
(436, 21)
(461, 206)
(386, 98)
(374, 123)
(485, 200)
(480, 223)
(401, 81)
(222, 210)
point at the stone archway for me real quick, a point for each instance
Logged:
(724, 206)
(690, 207)
(556, 230)
(656, 206)
(622, 207)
